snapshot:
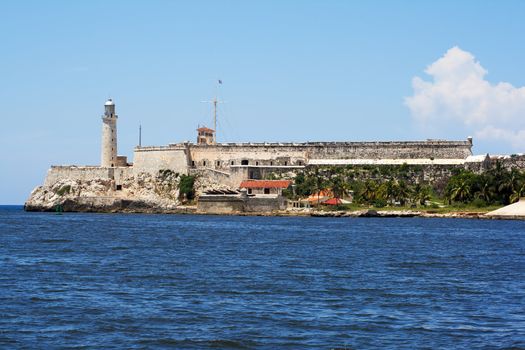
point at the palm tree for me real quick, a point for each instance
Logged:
(403, 192)
(509, 185)
(421, 194)
(486, 189)
(339, 186)
(517, 193)
(461, 191)
(369, 191)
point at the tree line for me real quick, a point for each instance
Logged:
(405, 185)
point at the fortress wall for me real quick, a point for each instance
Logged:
(222, 155)
(395, 150)
(121, 173)
(86, 173)
(214, 177)
(56, 173)
(152, 159)
(511, 162)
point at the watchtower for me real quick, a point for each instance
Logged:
(205, 136)
(109, 135)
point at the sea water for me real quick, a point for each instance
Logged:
(103, 281)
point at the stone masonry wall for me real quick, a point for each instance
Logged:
(511, 162)
(152, 159)
(86, 173)
(225, 155)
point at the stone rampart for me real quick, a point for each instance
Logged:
(510, 162)
(227, 154)
(181, 157)
(152, 159)
(86, 173)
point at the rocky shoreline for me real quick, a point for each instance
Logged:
(158, 195)
(401, 214)
(110, 205)
(119, 205)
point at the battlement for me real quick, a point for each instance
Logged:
(425, 143)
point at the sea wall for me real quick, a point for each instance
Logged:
(264, 204)
(218, 204)
(234, 204)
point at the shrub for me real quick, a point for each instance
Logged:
(379, 203)
(186, 189)
(63, 190)
(479, 203)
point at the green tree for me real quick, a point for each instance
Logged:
(485, 189)
(369, 191)
(186, 190)
(421, 194)
(517, 193)
(509, 185)
(402, 192)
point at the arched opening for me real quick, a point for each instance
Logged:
(244, 162)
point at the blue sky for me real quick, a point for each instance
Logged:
(291, 71)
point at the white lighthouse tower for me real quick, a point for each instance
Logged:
(109, 135)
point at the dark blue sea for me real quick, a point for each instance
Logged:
(129, 281)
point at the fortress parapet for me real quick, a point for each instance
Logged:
(86, 173)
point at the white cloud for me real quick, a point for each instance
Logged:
(460, 94)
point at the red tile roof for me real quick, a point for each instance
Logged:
(333, 201)
(205, 129)
(265, 184)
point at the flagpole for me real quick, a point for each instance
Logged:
(215, 120)
(215, 101)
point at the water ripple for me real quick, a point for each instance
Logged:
(92, 281)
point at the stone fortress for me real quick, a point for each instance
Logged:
(226, 165)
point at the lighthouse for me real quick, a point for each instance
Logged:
(109, 136)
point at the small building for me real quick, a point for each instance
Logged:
(274, 187)
(232, 202)
(205, 136)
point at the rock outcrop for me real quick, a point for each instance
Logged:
(140, 193)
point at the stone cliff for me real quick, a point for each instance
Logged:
(144, 192)
(140, 193)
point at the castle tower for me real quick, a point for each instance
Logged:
(109, 135)
(205, 136)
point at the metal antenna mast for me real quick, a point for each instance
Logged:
(215, 103)
(215, 120)
(140, 135)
